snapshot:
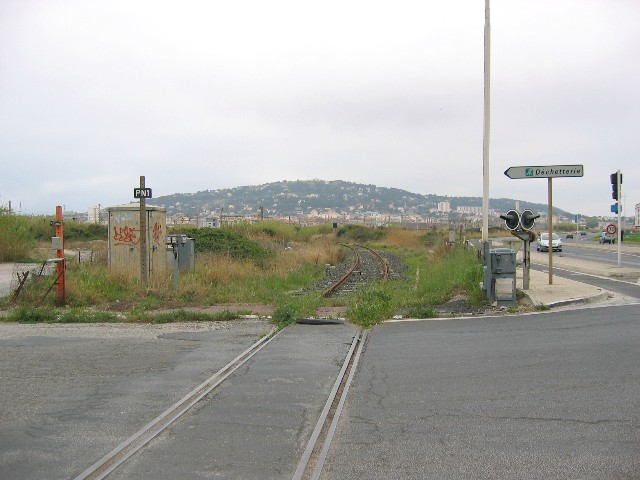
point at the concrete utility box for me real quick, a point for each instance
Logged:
(124, 240)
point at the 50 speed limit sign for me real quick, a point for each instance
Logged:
(611, 229)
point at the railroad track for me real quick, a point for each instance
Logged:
(119, 455)
(311, 462)
(368, 266)
(315, 454)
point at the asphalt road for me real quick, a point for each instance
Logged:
(553, 395)
(607, 254)
(258, 423)
(71, 393)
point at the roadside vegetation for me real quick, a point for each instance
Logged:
(241, 266)
(632, 237)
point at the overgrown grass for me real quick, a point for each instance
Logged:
(371, 306)
(432, 279)
(184, 316)
(293, 308)
(631, 238)
(16, 240)
(29, 314)
(262, 264)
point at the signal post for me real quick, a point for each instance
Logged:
(521, 225)
(616, 194)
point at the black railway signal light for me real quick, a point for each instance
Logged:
(616, 185)
(511, 219)
(528, 219)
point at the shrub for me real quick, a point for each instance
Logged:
(370, 306)
(286, 314)
(225, 241)
(360, 233)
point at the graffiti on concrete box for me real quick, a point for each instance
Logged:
(158, 237)
(126, 236)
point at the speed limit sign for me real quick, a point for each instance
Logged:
(611, 229)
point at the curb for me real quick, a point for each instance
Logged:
(599, 297)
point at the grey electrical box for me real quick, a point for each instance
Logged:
(503, 260)
(187, 254)
(56, 243)
(183, 249)
(499, 279)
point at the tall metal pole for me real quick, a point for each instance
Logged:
(144, 269)
(550, 222)
(618, 178)
(487, 111)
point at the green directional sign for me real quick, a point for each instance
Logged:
(545, 171)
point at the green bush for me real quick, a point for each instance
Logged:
(370, 307)
(360, 233)
(226, 241)
(290, 309)
(286, 314)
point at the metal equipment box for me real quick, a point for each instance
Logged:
(499, 278)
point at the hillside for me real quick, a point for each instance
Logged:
(304, 196)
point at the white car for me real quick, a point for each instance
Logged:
(542, 244)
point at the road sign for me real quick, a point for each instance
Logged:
(545, 171)
(142, 193)
(612, 229)
(548, 172)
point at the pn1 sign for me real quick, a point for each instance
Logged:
(142, 193)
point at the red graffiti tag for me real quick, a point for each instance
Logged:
(157, 233)
(125, 235)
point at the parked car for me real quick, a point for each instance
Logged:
(542, 244)
(606, 238)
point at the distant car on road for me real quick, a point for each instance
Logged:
(542, 244)
(569, 235)
(606, 238)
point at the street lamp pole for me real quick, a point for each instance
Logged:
(485, 143)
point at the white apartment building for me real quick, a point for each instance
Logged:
(444, 207)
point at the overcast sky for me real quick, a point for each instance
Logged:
(199, 95)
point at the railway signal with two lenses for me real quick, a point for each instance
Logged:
(519, 221)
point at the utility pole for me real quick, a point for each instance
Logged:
(486, 123)
(144, 268)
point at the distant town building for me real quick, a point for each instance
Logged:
(93, 214)
(444, 207)
(210, 222)
(469, 210)
(637, 222)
